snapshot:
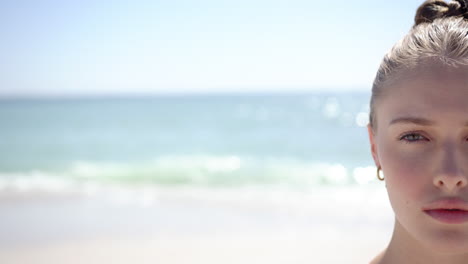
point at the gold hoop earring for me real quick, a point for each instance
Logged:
(378, 174)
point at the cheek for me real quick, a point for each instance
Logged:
(406, 174)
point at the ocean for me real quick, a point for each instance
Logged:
(237, 178)
(287, 140)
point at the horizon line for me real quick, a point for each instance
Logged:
(177, 93)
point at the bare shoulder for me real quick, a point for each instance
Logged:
(378, 258)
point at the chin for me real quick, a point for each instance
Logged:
(447, 242)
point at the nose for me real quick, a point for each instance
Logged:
(451, 175)
(450, 182)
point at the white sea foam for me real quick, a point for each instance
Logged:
(210, 171)
(34, 180)
(364, 175)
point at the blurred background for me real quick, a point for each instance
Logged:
(192, 131)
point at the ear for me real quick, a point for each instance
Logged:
(373, 145)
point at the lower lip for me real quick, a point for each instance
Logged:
(448, 216)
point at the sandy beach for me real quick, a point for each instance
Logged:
(179, 226)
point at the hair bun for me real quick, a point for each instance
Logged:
(463, 7)
(433, 9)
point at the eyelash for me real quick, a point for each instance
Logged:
(414, 134)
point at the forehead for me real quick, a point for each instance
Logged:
(430, 93)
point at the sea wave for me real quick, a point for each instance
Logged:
(190, 170)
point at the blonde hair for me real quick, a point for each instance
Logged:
(439, 35)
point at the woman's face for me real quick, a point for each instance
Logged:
(421, 143)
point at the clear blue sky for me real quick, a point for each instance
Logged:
(93, 47)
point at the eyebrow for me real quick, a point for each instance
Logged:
(415, 120)
(412, 120)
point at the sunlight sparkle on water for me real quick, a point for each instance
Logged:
(362, 118)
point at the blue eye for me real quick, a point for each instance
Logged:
(413, 137)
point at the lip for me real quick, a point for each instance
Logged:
(448, 211)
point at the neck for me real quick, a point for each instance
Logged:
(405, 249)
